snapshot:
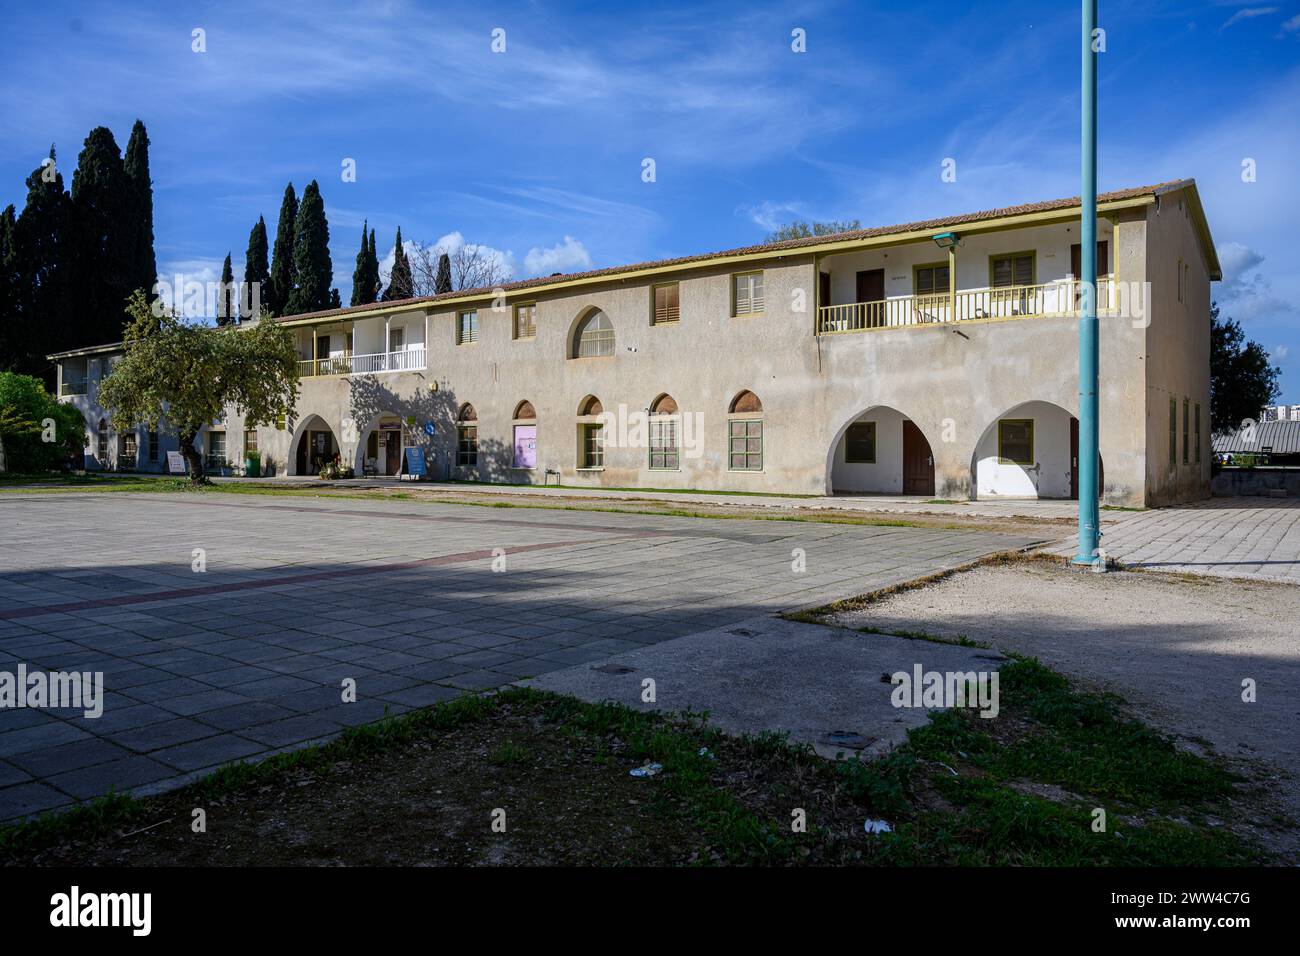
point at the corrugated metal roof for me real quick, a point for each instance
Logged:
(1282, 438)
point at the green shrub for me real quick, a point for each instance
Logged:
(25, 408)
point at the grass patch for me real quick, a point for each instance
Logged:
(90, 481)
(1018, 789)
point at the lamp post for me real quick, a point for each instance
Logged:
(1089, 513)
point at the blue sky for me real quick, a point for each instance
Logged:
(537, 152)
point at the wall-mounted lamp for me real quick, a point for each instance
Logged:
(945, 240)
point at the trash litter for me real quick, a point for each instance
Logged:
(706, 752)
(878, 826)
(649, 770)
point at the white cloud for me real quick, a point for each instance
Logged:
(567, 256)
(1248, 13)
(1292, 25)
(771, 215)
(1246, 292)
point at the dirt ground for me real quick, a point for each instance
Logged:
(1181, 650)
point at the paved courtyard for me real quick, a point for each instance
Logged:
(1227, 537)
(295, 595)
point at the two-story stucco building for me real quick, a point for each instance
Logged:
(934, 358)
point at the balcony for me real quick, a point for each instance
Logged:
(407, 360)
(1059, 298)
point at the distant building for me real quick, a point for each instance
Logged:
(1267, 443)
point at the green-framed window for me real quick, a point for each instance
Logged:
(526, 320)
(665, 449)
(467, 444)
(665, 303)
(930, 279)
(860, 444)
(1012, 269)
(747, 293)
(745, 444)
(1173, 431)
(591, 453)
(1016, 441)
(466, 327)
(1197, 425)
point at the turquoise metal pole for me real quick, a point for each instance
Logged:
(1089, 513)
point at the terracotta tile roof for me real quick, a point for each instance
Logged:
(768, 247)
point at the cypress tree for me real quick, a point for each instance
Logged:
(372, 276)
(227, 299)
(312, 266)
(361, 288)
(399, 280)
(45, 320)
(9, 317)
(256, 271)
(336, 302)
(280, 287)
(443, 282)
(102, 238)
(143, 266)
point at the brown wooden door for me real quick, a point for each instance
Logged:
(871, 285)
(918, 463)
(824, 289)
(393, 453)
(1074, 456)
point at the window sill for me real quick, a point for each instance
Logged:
(582, 470)
(525, 338)
(749, 315)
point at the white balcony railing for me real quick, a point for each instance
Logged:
(1028, 301)
(407, 360)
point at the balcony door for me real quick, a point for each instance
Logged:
(871, 285)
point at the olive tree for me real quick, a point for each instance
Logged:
(182, 376)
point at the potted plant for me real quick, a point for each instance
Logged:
(253, 463)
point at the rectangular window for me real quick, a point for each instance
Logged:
(396, 340)
(250, 440)
(526, 320)
(1187, 405)
(280, 422)
(467, 444)
(1173, 432)
(1197, 424)
(664, 450)
(860, 444)
(1013, 269)
(745, 452)
(129, 451)
(216, 449)
(1180, 279)
(930, 279)
(667, 303)
(592, 453)
(747, 294)
(153, 445)
(1016, 441)
(466, 327)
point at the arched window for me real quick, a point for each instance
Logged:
(746, 402)
(525, 436)
(591, 433)
(665, 445)
(745, 433)
(594, 336)
(467, 436)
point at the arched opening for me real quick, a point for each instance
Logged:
(590, 406)
(665, 434)
(316, 447)
(593, 336)
(383, 446)
(1029, 451)
(882, 452)
(524, 438)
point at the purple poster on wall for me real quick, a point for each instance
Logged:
(525, 446)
